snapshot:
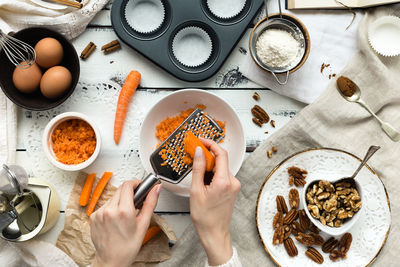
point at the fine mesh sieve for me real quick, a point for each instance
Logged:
(279, 23)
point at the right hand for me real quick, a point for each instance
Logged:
(211, 206)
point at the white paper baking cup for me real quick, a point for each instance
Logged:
(226, 9)
(384, 36)
(192, 46)
(145, 16)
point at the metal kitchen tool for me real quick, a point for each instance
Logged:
(155, 39)
(10, 217)
(371, 151)
(17, 51)
(386, 127)
(168, 159)
(13, 179)
(279, 23)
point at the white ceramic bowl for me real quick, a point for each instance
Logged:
(333, 231)
(47, 143)
(171, 105)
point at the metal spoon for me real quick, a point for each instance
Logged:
(386, 127)
(371, 151)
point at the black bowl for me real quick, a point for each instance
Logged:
(36, 101)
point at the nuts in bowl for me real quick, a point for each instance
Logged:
(71, 141)
(333, 207)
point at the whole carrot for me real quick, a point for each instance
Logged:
(125, 96)
(87, 189)
(97, 192)
(191, 142)
(151, 232)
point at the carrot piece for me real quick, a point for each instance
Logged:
(97, 192)
(151, 232)
(125, 96)
(87, 190)
(191, 142)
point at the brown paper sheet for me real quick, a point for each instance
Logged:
(75, 238)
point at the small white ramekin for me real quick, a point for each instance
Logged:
(48, 147)
(384, 36)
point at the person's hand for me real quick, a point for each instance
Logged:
(211, 206)
(117, 229)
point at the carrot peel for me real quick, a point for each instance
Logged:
(87, 189)
(127, 91)
(97, 192)
(190, 144)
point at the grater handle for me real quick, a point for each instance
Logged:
(143, 189)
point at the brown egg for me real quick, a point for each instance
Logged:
(27, 80)
(55, 82)
(49, 52)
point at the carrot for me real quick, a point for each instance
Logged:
(125, 96)
(87, 189)
(97, 192)
(191, 142)
(151, 232)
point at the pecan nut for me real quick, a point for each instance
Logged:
(281, 204)
(260, 114)
(304, 220)
(294, 199)
(336, 255)
(278, 220)
(290, 247)
(314, 255)
(313, 228)
(288, 232)
(345, 243)
(299, 182)
(318, 240)
(296, 227)
(329, 245)
(305, 239)
(290, 216)
(278, 236)
(257, 122)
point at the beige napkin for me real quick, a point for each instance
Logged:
(75, 239)
(329, 122)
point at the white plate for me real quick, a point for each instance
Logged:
(369, 232)
(171, 105)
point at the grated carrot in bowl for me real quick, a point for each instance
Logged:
(73, 141)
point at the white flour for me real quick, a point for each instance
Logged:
(277, 48)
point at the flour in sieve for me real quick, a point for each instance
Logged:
(277, 48)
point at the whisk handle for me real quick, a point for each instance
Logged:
(143, 189)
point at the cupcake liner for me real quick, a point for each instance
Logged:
(226, 9)
(192, 46)
(384, 36)
(145, 16)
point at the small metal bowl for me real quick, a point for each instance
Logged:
(287, 21)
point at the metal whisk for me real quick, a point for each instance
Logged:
(18, 52)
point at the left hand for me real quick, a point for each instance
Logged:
(118, 229)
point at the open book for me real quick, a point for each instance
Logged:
(327, 4)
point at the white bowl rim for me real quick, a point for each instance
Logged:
(49, 129)
(235, 171)
(333, 231)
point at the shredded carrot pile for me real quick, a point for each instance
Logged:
(74, 141)
(166, 127)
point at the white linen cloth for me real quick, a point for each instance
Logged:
(19, 14)
(8, 130)
(331, 44)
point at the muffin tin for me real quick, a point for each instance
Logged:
(190, 39)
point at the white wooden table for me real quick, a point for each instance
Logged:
(227, 83)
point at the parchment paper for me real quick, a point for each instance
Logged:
(75, 238)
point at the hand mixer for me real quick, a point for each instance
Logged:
(18, 52)
(167, 160)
